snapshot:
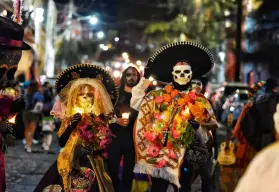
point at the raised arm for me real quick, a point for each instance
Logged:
(138, 93)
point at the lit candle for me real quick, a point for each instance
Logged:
(125, 115)
(151, 78)
(78, 110)
(12, 120)
(186, 112)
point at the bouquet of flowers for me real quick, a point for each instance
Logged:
(94, 132)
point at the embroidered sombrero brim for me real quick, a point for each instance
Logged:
(160, 65)
(88, 71)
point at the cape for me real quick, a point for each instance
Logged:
(162, 133)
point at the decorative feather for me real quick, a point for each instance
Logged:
(17, 4)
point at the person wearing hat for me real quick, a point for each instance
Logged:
(166, 139)
(11, 46)
(87, 95)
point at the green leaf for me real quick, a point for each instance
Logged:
(152, 161)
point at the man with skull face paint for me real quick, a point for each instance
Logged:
(167, 139)
(123, 144)
(11, 46)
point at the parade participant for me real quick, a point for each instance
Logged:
(206, 170)
(85, 108)
(262, 172)
(123, 144)
(244, 153)
(167, 145)
(11, 46)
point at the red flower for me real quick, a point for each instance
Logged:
(150, 136)
(193, 95)
(160, 136)
(169, 145)
(162, 163)
(153, 150)
(159, 99)
(175, 134)
(172, 154)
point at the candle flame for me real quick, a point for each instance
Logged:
(79, 110)
(12, 120)
(151, 78)
(125, 115)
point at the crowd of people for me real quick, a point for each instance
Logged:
(162, 135)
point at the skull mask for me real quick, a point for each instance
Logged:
(182, 73)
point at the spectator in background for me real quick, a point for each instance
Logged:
(48, 123)
(199, 86)
(33, 113)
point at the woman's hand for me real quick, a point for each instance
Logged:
(123, 122)
(87, 150)
(75, 120)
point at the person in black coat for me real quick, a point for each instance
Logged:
(123, 144)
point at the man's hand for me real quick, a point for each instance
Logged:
(18, 105)
(122, 122)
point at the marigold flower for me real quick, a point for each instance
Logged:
(181, 101)
(167, 97)
(187, 98)
(174, 93)
(169, 88)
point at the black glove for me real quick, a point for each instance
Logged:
(9, 128)
(75, 120)
(18, 105)
(86, 150)
(194, 124)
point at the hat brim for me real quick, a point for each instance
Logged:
(160, 65)
(24, 46)
(88, 71)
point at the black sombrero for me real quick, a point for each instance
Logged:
(11, 35)
(160, 65)
(88, 71)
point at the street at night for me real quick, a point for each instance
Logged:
(139, 96)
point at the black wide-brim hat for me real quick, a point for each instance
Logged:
(11, 35)
(88, 71)
(160, 65)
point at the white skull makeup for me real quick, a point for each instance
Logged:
(182, 73)
(196, 86)
(85, 98)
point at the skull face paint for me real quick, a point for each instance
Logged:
(182, 73)
(196, 86)
(85, 97)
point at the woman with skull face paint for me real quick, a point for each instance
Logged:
(85, 108)
(11, 46)
(168, 145)
(123, 144)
